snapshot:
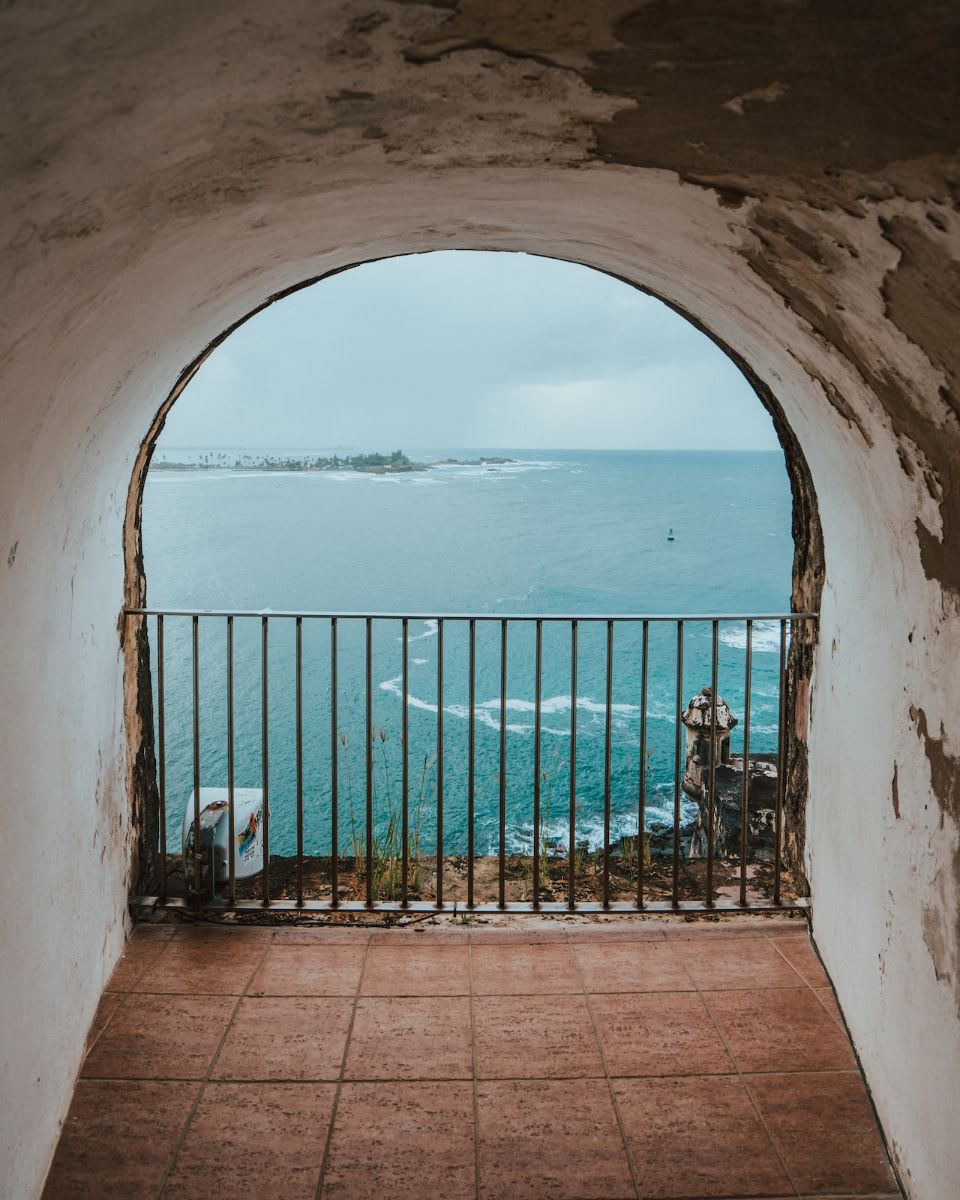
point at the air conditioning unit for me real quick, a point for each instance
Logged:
(215, 836)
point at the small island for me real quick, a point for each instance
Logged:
(392, 463)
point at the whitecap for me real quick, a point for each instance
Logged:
(766, 637)
(429, 632)
(485, 718)
(394, 687)
(552, 705)
(487, 711)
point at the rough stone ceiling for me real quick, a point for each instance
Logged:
(830, 101)
(809, 116)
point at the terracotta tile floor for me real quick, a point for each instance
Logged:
(618, 1059)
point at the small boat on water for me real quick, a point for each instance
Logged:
(670, 536)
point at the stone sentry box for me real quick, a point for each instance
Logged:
(728, 780)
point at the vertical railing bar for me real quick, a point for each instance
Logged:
(502, 859)
(471, 762)
(368, 868)
(334, 774)
(781, 765)
(299, 703)
(677, 768)
(608, 735)
(231, 780)
(265, 755)
(196, 760)
(712, 774)
(537, 723)
(440, 763)
(642, 798)
(405, 766)
(572, 836)
(745, 802)
(162, 762)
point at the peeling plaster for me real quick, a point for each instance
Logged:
(922, 298)
(940, 933)
(944, 767)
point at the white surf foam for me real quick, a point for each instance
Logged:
(429, 632)
(487, 712)
(766, 637)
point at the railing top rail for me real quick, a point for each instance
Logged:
(447, 616)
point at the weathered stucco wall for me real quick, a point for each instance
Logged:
(168, 167)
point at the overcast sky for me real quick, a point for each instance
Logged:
(469, 350)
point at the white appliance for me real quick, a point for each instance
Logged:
(215, 835)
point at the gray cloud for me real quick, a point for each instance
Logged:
(468, 349)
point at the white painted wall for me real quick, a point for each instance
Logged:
(100, 327)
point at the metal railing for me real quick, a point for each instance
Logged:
(380, 859)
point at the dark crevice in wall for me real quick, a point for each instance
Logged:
(144, 793)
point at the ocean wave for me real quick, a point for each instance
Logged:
(551, 705)
(492, 471)
(589, 828)
(485, 717)
(522, 599)
(556, 834)
(487, 712)
(766, 637)
(429, 632)
(395, 688)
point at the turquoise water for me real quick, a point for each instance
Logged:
(557, 532)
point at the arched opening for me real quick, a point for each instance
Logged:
(722, 159)
(773, 768)
(867, 503)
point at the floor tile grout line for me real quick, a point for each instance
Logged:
(858, 1065)
(145, 968)
(88, 1049)
(474, 1089)
(831, 987)
(124, 997)
(793, 966)
(371, 1080)
(836, 1017)
(348, 995)
(206, 1079)
(328, 1142)
(631, 1166)
(746, 1086)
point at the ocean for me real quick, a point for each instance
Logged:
(580, 532)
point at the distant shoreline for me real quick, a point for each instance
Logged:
(396, 463)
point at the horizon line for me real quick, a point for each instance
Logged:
(354, 449)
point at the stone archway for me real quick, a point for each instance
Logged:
(167, 175)
(807, 583)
